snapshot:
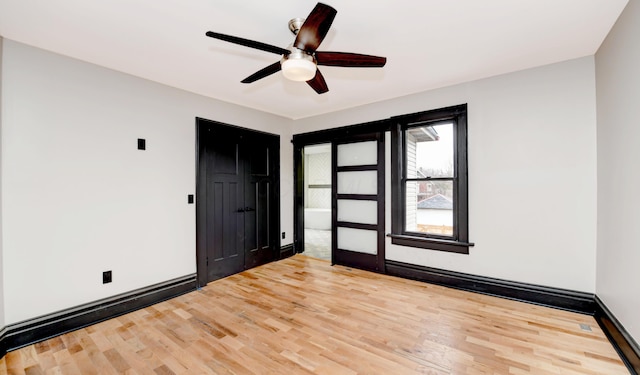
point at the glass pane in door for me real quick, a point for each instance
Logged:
(360, 182)
(358, 240)
(354, 211)
(359, 153)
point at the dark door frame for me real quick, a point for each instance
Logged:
(201, 167)
(314, 138)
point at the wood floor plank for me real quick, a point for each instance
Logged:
(304, 316)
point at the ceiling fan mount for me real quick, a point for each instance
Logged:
(295, 24)
(299, 62)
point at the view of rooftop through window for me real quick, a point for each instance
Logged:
(429, 197)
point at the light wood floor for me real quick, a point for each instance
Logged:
(302, 316)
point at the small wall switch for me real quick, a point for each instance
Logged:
(190, 199)
(283, 235)
(106, 277)
(142, 144)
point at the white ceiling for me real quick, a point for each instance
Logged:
(428, 43)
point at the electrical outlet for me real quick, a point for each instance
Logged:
(283, 235)
(106, 277)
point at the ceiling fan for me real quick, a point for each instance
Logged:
(300, 60)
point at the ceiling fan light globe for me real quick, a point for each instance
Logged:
(298, 69)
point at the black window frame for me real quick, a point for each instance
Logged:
(459, 242)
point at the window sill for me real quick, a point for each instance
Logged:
(430, 243)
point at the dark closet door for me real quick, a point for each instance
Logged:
(225, 205)
(238, 200)
(258, 209)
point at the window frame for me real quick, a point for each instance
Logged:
(459, 242)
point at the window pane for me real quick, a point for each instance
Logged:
(429, 207)
(429, 151)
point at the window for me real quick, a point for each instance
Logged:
(429, 180)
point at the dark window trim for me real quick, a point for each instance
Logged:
(459, 243)
(431, 243)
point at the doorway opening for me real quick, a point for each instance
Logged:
(356, 190)
(317, 201)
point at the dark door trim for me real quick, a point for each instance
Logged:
(201, 214)
(318, 137)
(298, 196)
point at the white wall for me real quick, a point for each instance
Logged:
(78, 198)
(532, 149)
(618, 94)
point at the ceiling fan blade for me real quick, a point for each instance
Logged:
(249, 43)
(318, 83)
(346, 59)
(315, 27)
(269, 70)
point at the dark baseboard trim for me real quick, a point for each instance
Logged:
(3, 345)
(15, 336)
(286, 251)
(564, 299)
(624, 344)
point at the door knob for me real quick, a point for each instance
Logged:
(240, 210)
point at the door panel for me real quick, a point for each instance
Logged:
(358, 240)
(224, 198)
(357, 182)
(356, 211)
(258, 246)
(358, 202)
(360, 153)
(226, 158)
